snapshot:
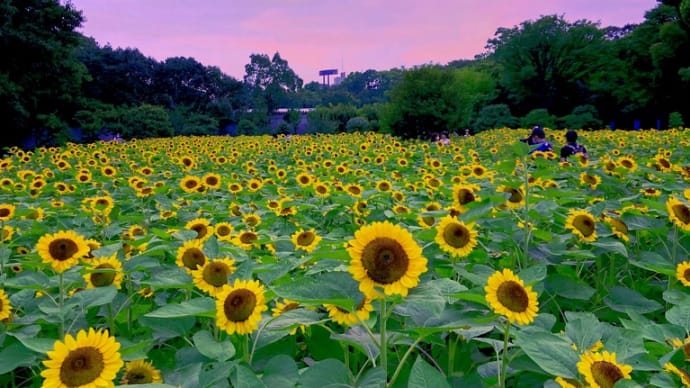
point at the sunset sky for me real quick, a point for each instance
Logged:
(349, 35)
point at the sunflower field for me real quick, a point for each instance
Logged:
(347, 260)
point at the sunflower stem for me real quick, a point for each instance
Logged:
(245, 349)
(525, 217)
(504, 357)
(61, 303)
(383, 345)
(111, 319)
(402, 361)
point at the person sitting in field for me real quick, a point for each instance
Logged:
(572, 148)
(538, 139)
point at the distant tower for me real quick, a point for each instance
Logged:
(326, 74)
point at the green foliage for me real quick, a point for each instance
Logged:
(146, 121)
(494, 116)
(538, 117)
(584, 116)
(246, 127)
(423, 103)
(358, 123)
(675, 120)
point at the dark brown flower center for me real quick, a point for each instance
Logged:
(584, 224)
(223, 230)
(606, 374)
(4, 212)
(63, 249)
(682, 212)
(305, 238)
(138, 376)
(190, 184)
(465, 196)
(216, 274)
(211, 181)
(200, 230)
(248, 238)
(515, 196)
(81, 366)
(385, 260)
(513, 296)
(104, 278)
(456, 235)
(686, 276)
(193, 257)
(239, 305)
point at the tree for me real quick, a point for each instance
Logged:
(271, 80)
(494, 116)
(546, 63)
(40, 78)
(423, 103)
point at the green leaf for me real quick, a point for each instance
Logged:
(533, 274)
(613, 246)
(206, 345)
(653, 261)
(170, 278)
(568, 287)
(622, 298)
(329, 372)
(204, 306)
(373, 378)
(625, 343)
(92, 297)
(551, 352)
(680, 315)
(280, 371)
(584, 330)
(423, 375)
(14, 356)
(358, 337)
(337, 288)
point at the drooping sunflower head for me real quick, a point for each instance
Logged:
(213, 275)
(456, 238)
(104, 271)
(140, 372)
(305, 240)
(90, 360)
(386, 256)
(464, 194)
(590, 179)
(679, 213)
(508, 296)
(202, 227)
(582, 224)
(683, 273)
(239, 307)
(191, 255)
(515, 198)
(618, 227)
(681, 374)
(5, 306)
(600, 369)
(62, 250)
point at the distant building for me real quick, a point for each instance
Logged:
(338, 80)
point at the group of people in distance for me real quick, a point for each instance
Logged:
(537, 138)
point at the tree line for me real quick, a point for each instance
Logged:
(58, 85)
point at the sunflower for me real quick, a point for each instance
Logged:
(213, 275)
(582, 223)
(223, 231)
(627, 162)
(62, 250)
(140, 372)
(211, 180)
(683, 273)
(251, 220)
(202, 227)
(321, 189)
(683, 375)
(383, 185)
(254, 185)
(517, 196)
(245, 240)
(6, 233)
(305, 240)
(347, 318)
(5, 306)
(285, 306)
(104, 271)
(387, 256)
(235, 188)
(679, 213)
(601, 369)
(191, 255)
(662, 163)
(354, 189)
(304, 179)
(6, 211)
(190, 184)
(507, 295)
(456, 238)
(464, 194)
(650, 192)
(567, 383)
(590, 179)
(90, 360)
(239, 307)
(146, 292)
(618, 227)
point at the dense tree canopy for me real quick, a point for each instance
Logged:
(560, 73)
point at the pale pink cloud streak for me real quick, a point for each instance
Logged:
(316, 34)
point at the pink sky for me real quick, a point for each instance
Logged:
(349, 35)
